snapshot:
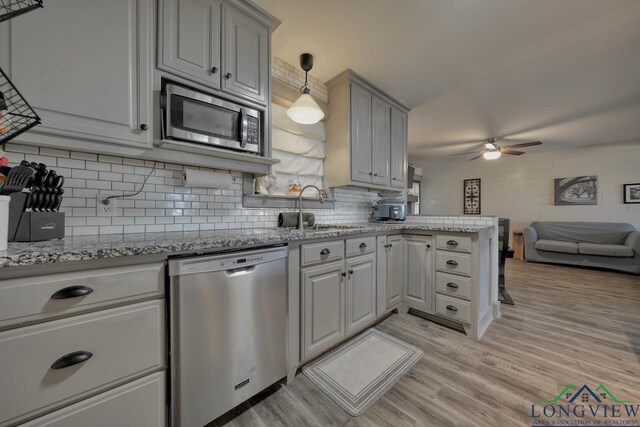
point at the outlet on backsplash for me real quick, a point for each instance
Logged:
(105, 206)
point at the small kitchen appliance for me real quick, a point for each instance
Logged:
(204, 119)
(390, 209)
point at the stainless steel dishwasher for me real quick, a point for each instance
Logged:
(228, 325)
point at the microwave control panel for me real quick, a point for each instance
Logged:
(252, 131)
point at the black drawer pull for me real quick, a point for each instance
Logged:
(452, 243)
(72, 292)
(72, 359)
(452, 308)
(325, 251)
(452, 262)
(363, 245)
(452, 285)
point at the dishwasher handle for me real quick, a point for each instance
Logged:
(233, 272)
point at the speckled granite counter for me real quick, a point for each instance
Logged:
(112, 246)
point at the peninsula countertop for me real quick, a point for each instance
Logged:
(81, 248)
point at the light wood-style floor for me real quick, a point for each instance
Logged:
(569, 325)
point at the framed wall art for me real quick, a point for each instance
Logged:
(472, 196)
(632, 193)
(579, 190)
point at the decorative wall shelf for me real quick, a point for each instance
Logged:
(12, 8)
(16, 115)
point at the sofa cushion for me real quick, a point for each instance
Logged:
(605, 250)
(557, 246)
(605, 233)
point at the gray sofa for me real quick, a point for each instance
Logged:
(591, 244)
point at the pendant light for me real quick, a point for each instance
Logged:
(305, 110)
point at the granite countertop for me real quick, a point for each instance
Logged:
(113, 246)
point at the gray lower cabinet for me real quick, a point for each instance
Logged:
(323, 296)
(245, 61)
(419, 290)
(85, 66)
(189, 43)
(361, 134)
(361, 291)
(395, 269)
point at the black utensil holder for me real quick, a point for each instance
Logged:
(33, 226)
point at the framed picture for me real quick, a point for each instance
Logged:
(579, 190)
(471, 196)
(632, 193)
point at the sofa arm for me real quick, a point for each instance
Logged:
(530, 236)
(633, 241)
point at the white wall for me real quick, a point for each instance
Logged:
(521, 188)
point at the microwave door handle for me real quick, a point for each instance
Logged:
(244, 130)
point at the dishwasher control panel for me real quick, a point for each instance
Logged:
(239, 262)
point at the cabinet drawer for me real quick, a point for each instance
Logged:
(453, 308)
(121, 342)
(453, 262)
(139, 403)
(450, 284)
(453, 243)
(320, 252)
(34, 298)
(361, 246)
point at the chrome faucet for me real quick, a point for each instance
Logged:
(300, 227)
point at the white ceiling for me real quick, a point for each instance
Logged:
(566, 72)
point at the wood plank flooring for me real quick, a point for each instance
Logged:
(569, 325)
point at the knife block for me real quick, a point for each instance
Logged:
(33, 226)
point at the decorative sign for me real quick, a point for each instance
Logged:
(472, 196)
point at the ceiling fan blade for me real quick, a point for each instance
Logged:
(476, 157)
(526, 144)
(468, 152)
(514, 152)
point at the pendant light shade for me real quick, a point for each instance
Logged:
(305, 110)
(492, 155)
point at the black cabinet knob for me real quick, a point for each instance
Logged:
(370, 173)
(375, 174)
(144, 127)
(228, 75)
(428, 246)
(214, 70)
(343, 274)
(325, 251)
(363, 245)
(350, 271)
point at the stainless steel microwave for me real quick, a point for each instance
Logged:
(201, 118)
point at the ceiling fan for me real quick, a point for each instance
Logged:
(493, 151)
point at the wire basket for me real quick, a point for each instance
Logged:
(12, 8)
(16, 115)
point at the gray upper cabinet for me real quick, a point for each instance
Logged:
(361, 147)
(246, 59)
(381, 141)
(361, 291)
(85, 66)
(366, 135)
(190, 39)
(398, 148)
(419, 291)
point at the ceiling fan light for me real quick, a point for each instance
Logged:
(489, 146)
(305, 110)
(492, 155)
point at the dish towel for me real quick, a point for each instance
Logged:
(290, 219)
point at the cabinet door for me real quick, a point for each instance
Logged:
(190, 39)
(418, 287)
(398, 148)
(381, 275)
(381, 141)
(360, 134)
(395, 269)
(85, 65)
(246, 55)
(361, 291)
(323, 290)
